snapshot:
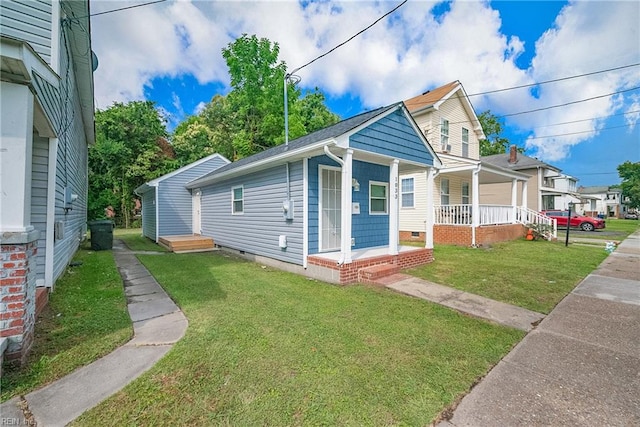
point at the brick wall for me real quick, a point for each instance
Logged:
(18, 297)
(349, 272)
(407, 236)
(485, 235)
(452, 235)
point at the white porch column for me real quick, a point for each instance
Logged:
(475, 204)
(539, 192)
(347, 198)
(514, 200)
(524, 194)
(394, 208)
(16, 145)
(428, 231)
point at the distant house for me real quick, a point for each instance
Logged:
(548, 187)
(47, 123)
(168, 208)
(326, 205)
(601, 200)
(447, 119)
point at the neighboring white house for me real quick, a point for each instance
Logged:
(601, 200)
(447, 119)
(47, 123)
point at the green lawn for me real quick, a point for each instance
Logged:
(531, 274)
(136, 241)
(86, 318)
(616, 229)
(265, 347)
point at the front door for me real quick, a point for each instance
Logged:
(196, 217)
(330, 208)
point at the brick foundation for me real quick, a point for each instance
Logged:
(485, 235)
(349, 273)
(18, 298)
(407, 236)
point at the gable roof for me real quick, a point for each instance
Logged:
(433, 99)
(598, 189)
(523, 162)
(300, 145)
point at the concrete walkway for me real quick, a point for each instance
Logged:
(579, 367)
(157, 324)
(474, 305)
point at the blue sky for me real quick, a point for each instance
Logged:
(171, 53)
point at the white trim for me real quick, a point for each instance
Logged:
(51, 212)
(320, 201)
(394, 208)
(233, 200)
(386, 185)
(345, 208)
(55, 36)
(196, 214)
(157, 213)
(305, 211)
(428, 241)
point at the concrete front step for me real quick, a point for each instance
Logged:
(372, 274)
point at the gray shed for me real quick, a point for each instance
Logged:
(167, 206)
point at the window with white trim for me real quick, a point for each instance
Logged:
(444, 134)
(378, 198)
(444, 191)
(407, 192)
(465, 142)
(465, 193)
(237, 200)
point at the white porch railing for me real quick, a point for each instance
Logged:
(494, 215)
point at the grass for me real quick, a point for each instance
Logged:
(531, 274)
(616, 229)
(266, 347)
(136, 241)
(86, 318)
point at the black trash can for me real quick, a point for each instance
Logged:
(101, 235)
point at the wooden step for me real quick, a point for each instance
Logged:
(191, 243)
(375, 272)
(42, 299)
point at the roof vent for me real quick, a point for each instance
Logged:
(424, 93)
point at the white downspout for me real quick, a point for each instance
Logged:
(51, 213)
(157, 214)
(428, 240)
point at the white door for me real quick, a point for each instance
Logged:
(330, 208)
(196, 216)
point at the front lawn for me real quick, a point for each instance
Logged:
(265, 347)
(615, 230)
(135, 241)
(86, 318)
(531, 274)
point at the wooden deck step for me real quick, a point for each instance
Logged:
(373, 273)
(189, 243)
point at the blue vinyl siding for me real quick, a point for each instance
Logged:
(369, 230)
(257, 230)
(174, 200)
(392, 136)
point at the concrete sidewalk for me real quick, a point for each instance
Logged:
(157, 324)
(580, 366)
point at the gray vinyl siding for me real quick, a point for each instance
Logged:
(49, 98)
(71, 169)
(28, 20)
(174, 200)
(257, 230)
(39, 183)
(149, 214)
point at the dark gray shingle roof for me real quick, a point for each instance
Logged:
(323, 134)
(523, 162)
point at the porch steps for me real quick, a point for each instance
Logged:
(188, 243)
(42, 299)
(373, 274)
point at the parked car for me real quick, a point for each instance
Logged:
(585, 223)
(630, 215)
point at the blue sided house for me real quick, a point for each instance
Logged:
(325, 205)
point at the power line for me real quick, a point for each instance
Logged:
(587, 120)
(350, 38)
(554, 80)
(576, 133)
(124, 8)
(568, 103)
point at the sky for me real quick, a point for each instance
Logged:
(171, 53)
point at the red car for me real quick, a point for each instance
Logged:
(586, 223)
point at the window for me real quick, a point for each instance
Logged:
(378, 198)
(465, 193)
(407, 192)
(237, 200)
(444, 191)
(444, 134)
(465, 142)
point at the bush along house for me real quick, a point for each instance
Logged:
(325, 205)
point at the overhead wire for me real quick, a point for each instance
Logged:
(125, 8)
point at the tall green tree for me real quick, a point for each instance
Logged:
(129, 150)
(630, 174)
(314, 112)
(495, 142)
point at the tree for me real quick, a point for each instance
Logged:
(315, 114)
(495, 142)
(630, 174)
(130, 149)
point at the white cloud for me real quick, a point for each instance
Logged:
(632, 112)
